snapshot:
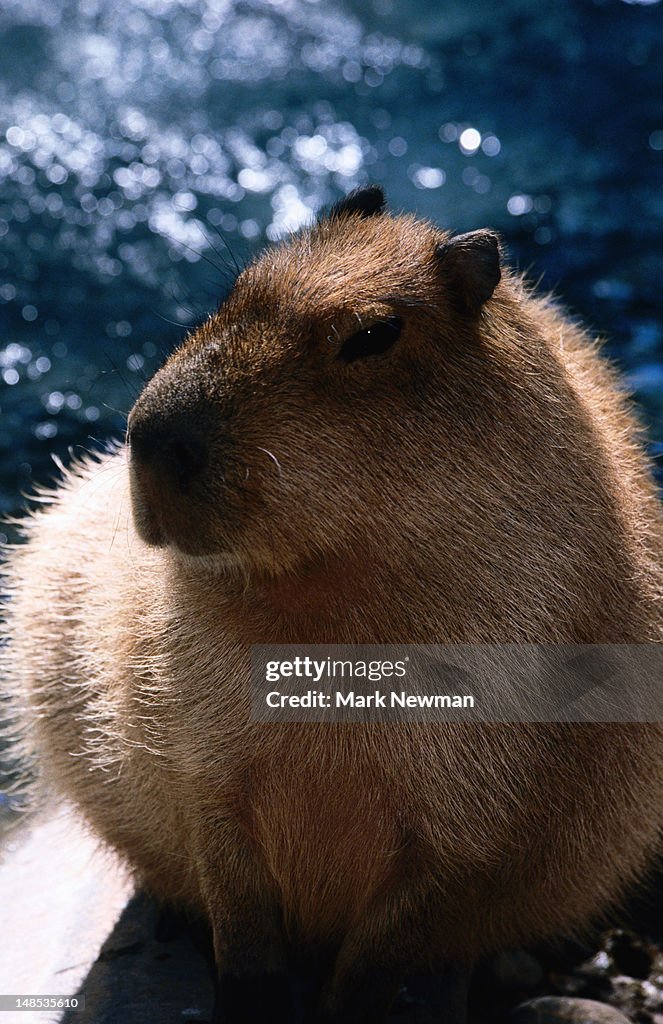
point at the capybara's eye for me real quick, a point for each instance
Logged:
(371, 341)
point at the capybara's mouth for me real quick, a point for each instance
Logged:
(164, 521)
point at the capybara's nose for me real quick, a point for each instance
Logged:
(171, 448)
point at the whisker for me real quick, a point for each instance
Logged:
(196, 313)
(272, 457)
(175, 323)
(214, 248)
(133, 393)
(111, 408)
(236, 264)
(200, 255)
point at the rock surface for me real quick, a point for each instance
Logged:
(70, 923)
(563, 1010)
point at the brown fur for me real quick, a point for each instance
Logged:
(482, 481)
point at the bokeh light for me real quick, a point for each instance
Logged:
(148, 147)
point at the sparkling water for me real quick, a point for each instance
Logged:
(148, 147)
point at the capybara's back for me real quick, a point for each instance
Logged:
(381, 437)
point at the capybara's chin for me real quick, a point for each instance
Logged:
(176, 522)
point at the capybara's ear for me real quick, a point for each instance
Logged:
(366, 202)
(471, 265)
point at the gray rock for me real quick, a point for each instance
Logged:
(564, 1010)
(70, 923)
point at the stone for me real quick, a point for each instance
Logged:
(564, 1010)
(71, 923)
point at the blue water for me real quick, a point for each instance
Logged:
(147, 145)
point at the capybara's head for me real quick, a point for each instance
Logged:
(329, 399)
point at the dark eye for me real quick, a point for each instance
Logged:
(372, 341)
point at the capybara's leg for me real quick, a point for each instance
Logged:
(253, 999)
(361, 995)
(440, 997)
(365, 997)
(252, 984)
(393, 943)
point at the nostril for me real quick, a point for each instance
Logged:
(186, 459)
(171, 451)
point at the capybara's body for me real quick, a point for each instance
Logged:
(375, 439)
